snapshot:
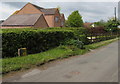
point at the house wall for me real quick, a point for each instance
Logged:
(50, 20)
(41, 23)
(57, 14)
(29, 9)
(14, 27)
(63, 20)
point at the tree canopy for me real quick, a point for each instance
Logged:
(74, 20)
(110, 25)
(100, 23)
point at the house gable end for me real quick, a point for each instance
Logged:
(57, 15)
(29, 9)
(41, 22)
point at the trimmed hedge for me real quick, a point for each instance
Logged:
(79, 30)
(35, 40)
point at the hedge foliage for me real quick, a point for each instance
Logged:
(35, 40)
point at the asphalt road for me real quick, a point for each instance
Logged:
(100, 65)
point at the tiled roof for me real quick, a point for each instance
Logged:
(87, 24)
(49, 11)
(39, 8)
(22, 20)
(16, 12)
(46, 11)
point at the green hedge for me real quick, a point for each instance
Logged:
(35, 40)
(79, 30)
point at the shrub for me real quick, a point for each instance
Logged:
(34, 40)
(84, 39)
(76, 43)
(37, 40)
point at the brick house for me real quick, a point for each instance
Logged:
(87, 25)
(34, 16)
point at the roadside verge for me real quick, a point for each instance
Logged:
(27, 62)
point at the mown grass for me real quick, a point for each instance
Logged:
(26, 62)
(99, 44)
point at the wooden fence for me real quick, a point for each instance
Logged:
(100, 35)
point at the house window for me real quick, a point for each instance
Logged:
(62, 23)
(56, 19)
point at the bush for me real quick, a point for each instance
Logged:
(79, 30)
(37, 40)
(76, 43)
(84, 39)
(34, 40)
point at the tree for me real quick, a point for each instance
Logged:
(74, 20)
(111, 24)
(100, 23)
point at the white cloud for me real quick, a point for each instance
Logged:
(60, 0)
(89, 10)
(6, 10)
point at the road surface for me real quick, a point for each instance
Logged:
(100, 65)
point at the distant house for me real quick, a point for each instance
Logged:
(88, 25)
(34, 16)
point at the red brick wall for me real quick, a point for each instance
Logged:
(57, 14)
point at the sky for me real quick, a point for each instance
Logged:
(119, 10)
(90, 11)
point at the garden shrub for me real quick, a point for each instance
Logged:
(74, 42)
(35, 40)
(84, 39)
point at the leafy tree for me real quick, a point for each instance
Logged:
(74, 20)
(111, 24)
(101, 23)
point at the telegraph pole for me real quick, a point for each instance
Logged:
(115, 15)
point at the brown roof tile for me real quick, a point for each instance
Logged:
(26, 19)
(39, 8)
(87, 24)
(49, 11)
(45, 11)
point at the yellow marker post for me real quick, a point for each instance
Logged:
(22, 52)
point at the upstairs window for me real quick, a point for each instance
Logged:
(62, 23)
(56, 19)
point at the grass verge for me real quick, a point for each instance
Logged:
(99, 44)
(26, 62)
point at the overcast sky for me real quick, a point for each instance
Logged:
(90, 11)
